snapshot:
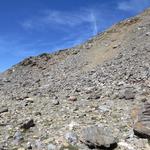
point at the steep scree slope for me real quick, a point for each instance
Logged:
(96, 83)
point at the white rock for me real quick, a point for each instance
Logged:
(148, 34)
(52, 147)
(126, 146)
(72, 125)
(71, 137)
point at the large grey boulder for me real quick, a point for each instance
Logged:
(98, 137)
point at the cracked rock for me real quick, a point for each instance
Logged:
(141, 117)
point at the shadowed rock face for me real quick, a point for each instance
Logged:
(96, 83)
(142, 121)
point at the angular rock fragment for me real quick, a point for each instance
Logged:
(29, 145)
(98, 137)
(148, 34)
(38, 113)
(115, 46)
(3, 110)
(129, 94)
(28, 124)
(55, 102)
(71, 137)
(18, 137)
(72, 98)
(104, 109)
(141, 117)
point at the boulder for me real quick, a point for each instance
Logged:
(141, 118)
(98, 137)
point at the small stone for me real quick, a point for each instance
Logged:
(29, 100)
(73, 125)
(18, 137)
(3, 109)
(89, 90)
(95, 96)
(125, 146)
(55, 102)
(98, 137)
(139, 28)
(129, 94)
(29, 145)
(71, 138)
(72, 98)
(148, 34)
(21, 148)
(52, 147)
(103, 109)
(76, 108)
(115, 46)
(28, 124)
(38, 113)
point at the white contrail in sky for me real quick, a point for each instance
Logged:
(94, 23)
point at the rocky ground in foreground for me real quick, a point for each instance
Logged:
(93, 96)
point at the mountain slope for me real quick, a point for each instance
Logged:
(98, 82)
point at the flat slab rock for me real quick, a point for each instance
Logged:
(30, 123)
(98, 137)
(3, 109)
(141, 118)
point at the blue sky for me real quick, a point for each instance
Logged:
(31, 27)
